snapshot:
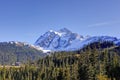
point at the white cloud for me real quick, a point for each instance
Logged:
(103, 24)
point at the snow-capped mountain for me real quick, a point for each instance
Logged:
(58, 40)
(65, 40)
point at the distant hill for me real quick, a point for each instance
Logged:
(99, 45)
(11, 52)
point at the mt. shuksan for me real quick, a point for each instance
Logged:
(65, 40)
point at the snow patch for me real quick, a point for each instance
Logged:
(65, 40)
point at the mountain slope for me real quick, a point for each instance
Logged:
(59, 40)
(65, 40)
(11, 52)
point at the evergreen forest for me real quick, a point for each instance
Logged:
(91, 63)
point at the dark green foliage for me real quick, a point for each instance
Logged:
(90, 64)
(99, 45)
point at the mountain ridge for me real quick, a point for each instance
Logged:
(65, 40)
(51, 41)
(11, 52)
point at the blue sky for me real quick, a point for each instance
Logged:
(26, 20)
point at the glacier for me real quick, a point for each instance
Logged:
(65, 40)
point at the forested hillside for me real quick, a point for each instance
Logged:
(11, 52)
(88, 64)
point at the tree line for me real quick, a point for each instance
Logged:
(87, 64)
